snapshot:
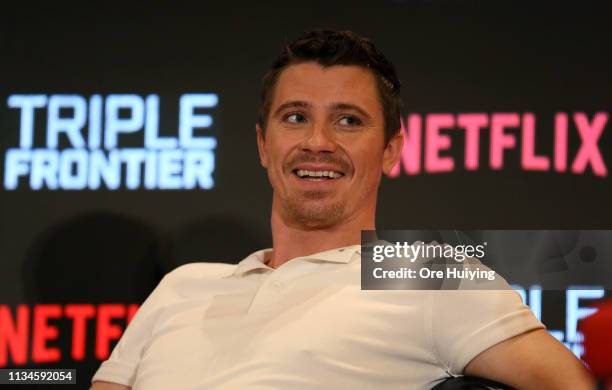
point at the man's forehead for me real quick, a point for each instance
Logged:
(316, 84)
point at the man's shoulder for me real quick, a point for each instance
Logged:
(199, 270)
(190, 281)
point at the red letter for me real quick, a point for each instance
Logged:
(131, 312)
(561, 142)
(411, 152)
(472, 124)
(106, 331)
(529, 160)
(14, 335)
(589, 152)
(436, 142)
(79, 315)
(42, 332)
(500, 140)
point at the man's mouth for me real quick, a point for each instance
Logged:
(317, 174)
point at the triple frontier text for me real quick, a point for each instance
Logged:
(74, 142)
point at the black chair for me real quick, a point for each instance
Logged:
(470, 383)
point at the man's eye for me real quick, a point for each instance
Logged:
(295, 118)
(350, 121)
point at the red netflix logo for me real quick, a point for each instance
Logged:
(26, 332)
(422, 134)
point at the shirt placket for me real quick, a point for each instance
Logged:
(274, 286)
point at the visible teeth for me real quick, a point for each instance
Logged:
(330, 174)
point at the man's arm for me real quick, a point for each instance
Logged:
(532, 360)
(98, 385)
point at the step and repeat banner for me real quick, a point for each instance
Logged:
(127, 148)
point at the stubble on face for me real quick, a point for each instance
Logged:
(314, 216)
(311, 208)
(323, 97)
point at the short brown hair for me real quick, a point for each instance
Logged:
(328, 48)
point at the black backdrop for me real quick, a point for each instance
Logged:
(103, 246)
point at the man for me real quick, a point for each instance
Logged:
(294, 316)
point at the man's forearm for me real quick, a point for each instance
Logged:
(533, 360)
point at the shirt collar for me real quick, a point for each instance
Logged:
(256, 259)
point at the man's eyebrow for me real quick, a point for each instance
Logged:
(291, 104)
(348, 106)
(334, 106)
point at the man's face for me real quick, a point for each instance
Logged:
(324, 144)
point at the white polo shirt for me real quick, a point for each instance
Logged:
(305, 325)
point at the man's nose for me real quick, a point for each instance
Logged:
(319, 138)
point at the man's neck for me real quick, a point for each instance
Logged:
(291, 240)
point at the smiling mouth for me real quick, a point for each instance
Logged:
(305, 174)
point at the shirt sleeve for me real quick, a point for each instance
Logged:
(466, 323)
(122, 364)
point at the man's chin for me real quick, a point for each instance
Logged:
(318, 215)
(315, 195)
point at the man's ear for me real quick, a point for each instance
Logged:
(261, 146)
(393, 151)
